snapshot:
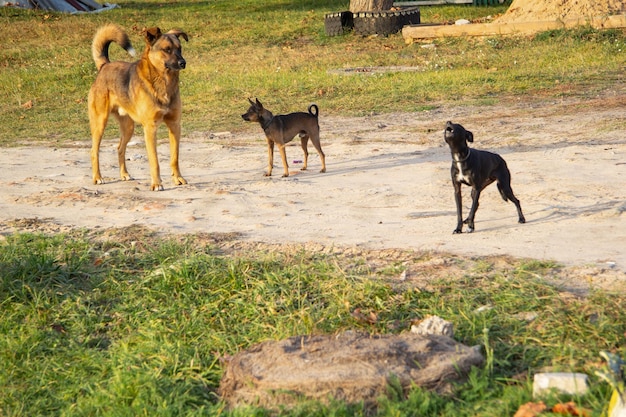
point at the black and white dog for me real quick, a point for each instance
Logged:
(476, 169)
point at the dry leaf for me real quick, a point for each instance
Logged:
(531, 409)
(570, 409)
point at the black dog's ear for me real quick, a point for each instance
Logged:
(258, 103)
(152, 34)
(251, 102)
(469, 136)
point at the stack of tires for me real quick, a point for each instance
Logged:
(384, 22)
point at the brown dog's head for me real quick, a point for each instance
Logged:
(456, 136)
(165, 49)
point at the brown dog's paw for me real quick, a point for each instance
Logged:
(179, 180)
(157, 187)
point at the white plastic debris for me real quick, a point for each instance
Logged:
(563, 382)
(434, 325)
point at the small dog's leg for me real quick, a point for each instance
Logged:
(270, 157)
(174, 135)
(304, 140)
(153, 159)
(283, 156)
(318, 148)
(127, 127)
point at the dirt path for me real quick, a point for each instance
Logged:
(387, 185)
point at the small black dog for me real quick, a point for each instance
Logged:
(477, 169)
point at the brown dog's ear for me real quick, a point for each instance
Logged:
(469, 136)
(178, 33)
(152, 34)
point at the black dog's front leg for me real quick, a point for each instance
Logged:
(459, 207)
(472, 213)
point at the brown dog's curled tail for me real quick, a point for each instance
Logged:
(103, 38)
(314, 107)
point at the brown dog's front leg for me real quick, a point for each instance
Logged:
(174, 135)
(153, 160)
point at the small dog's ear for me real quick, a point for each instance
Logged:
(152, 34)
(469, 136)
(178, 33)
(258, 103)
(251, 102)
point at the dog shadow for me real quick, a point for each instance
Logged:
(555, 214)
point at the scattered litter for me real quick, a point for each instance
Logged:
(564, 382)
(434, 325)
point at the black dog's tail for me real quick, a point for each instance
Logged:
(502, 192)
(103, 38)
(314, 107)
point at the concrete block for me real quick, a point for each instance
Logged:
(564, 382)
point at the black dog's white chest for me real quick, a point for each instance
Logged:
(462, 172)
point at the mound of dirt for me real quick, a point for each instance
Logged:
(350, 367)
(547, 10)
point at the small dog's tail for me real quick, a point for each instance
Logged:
(314, 107)
(103, 38)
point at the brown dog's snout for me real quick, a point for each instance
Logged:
(182, 63)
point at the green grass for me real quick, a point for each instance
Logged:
(277, 50)
(98, 324)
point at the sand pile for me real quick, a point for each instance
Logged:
(543, 10)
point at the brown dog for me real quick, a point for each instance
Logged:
(145, 92)
(281, 129)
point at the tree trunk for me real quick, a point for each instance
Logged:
(370, 5)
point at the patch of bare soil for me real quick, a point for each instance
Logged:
(349, 366)
(386, 196)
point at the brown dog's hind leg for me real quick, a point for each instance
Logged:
(97, 123)
(127, 127)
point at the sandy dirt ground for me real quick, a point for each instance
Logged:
(387, 184)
